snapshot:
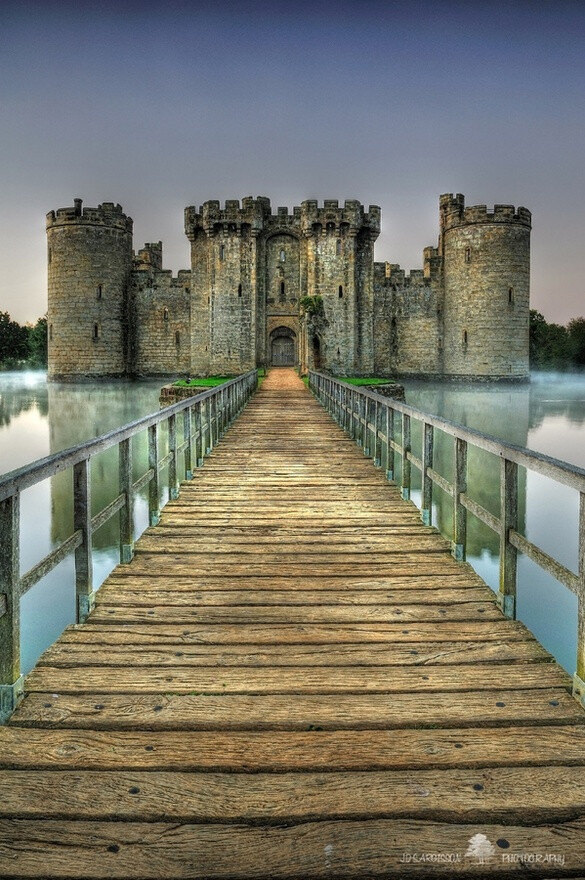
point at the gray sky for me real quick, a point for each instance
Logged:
(162, 105)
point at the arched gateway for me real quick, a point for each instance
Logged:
(283, 347)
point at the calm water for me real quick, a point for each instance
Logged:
(548, 415)
(37, 419)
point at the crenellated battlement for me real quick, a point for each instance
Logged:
(352, 216)
(252, 213)
(106, 214)
(453, 213)
(257, 216)
(393, 276)
(148, 257)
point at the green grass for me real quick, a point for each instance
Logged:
(207, 382)
(364, 380)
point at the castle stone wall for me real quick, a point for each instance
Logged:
(162, 321)
(407, 322)
(464, 314)
(89, 267)
(486, 258)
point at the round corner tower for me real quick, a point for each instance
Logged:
(89, 266)
(486, 283)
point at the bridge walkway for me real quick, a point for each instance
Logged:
(293, 679)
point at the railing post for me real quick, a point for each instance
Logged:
(458, 547)
(11, 681)
(579, 677)
(198, 434)
(389, 462)
(508, 553)
(215, 418)
(127, 509)
(84, 592)
(378, 409)
(187, 438)
(222, 413)
(367, 433)
(173, 469)
(153, 486)
(230, 412)
(339, 404)
(426, 510)
(406, 465)
(208, 427)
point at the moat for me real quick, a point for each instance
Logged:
(548, 415)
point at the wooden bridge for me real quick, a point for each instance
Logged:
(293, 679)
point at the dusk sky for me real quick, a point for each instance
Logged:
(162, 105)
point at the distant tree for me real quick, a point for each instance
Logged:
(551, 347)
(576, 331)
(37, 343)
(13, 341)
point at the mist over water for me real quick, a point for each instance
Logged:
(547, 415)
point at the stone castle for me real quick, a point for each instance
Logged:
(280, 288)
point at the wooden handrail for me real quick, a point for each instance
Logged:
(371, 420)
(205, 417)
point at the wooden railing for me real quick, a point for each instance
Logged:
(382, 426)
(204, 419)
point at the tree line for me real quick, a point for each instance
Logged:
(22, 345)
(555, 347)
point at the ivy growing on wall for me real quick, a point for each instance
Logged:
(312, 306)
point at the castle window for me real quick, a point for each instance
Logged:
(282, 256)
(510, 296)
(165, 314)
(465, 338)
(282, 292)
(96, 332)
(99, 291)
(239, 289)
(177, 338)
(338, 247)
(50, 332)
(222, 252)
(468, 255)
(340, 291)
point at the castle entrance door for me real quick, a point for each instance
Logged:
(283, 351)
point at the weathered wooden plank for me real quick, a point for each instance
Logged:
(163, 711)
(402, 574)
(218, 591)
(297, 680)
(307, 633)
(222, 539)
(301, 554)
(183, 565)
(440, 653)
(507, 795)
(190, 612)
(331, 849)
(301, 750)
